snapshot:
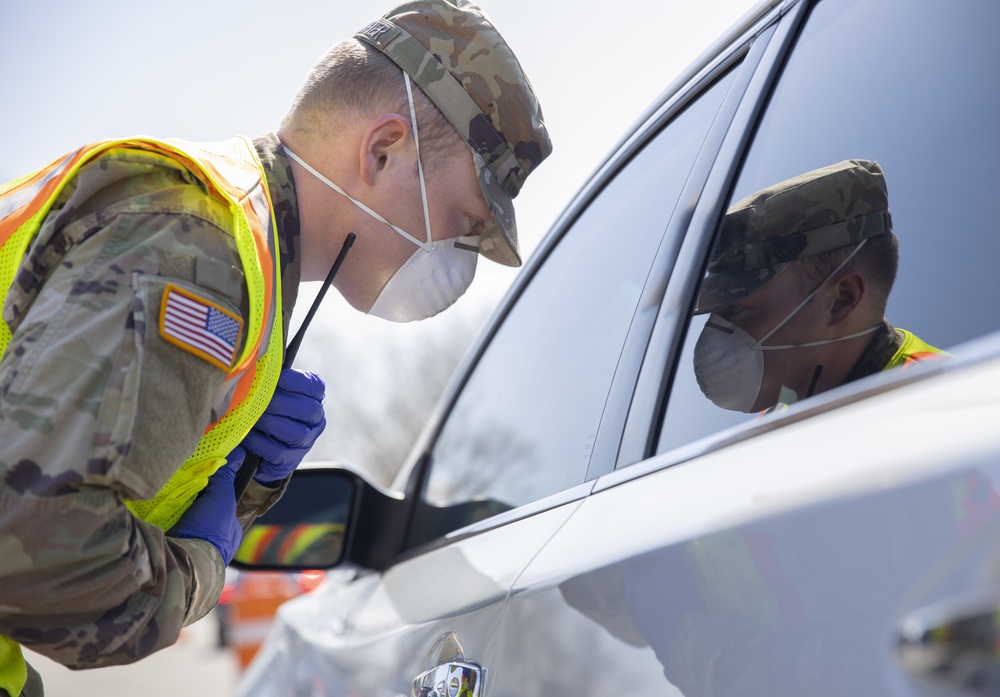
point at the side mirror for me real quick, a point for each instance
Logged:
(305, 528)
(327, 516)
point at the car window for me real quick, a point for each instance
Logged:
(899, 83)
(525, 422)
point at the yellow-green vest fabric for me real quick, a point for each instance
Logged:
(912, 350)
(232, 170)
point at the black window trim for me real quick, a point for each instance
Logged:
(603, 457)
(642, 427)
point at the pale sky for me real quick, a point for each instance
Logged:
(206, 70)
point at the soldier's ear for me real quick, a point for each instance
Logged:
(849, 289)
(383, 145)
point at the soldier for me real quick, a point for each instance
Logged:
(797, 287)
(151, 284)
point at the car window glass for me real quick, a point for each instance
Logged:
(897, 82)
(525, 422)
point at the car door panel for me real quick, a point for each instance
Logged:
(371, 635)
(755, 570)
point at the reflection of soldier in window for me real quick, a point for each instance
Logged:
(797, 287)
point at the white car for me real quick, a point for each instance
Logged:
(578, 519)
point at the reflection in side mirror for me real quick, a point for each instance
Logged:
(306, 528)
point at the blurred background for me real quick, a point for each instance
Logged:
(204, 71)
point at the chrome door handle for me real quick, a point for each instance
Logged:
(452, 674)
(453, 679)
(956, 642)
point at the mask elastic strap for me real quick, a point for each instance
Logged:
(855, 335)
(313, 171)
(759, 344)
(420, 167)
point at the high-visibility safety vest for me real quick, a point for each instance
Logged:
(232, 172)
(912, 351)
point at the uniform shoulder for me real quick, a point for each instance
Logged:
(131, 180)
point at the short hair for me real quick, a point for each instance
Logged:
(878, 260)
(356, 78)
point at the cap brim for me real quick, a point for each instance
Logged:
(722, 290)
(498, 241)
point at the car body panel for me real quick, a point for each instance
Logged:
(805, 563)
(371, 633)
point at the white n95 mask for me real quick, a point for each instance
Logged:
(728, 369)
(437, 274)
(429, 282)
(729, 363)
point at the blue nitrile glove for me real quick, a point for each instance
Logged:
(212, 516)
(289, 426)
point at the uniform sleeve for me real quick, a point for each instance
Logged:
(95, 407)
(258, 500)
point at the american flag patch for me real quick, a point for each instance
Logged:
(199, 326)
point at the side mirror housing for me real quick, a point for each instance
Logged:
(328, 516)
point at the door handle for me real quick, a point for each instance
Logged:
(453, 675)
(455, 679)
(956, 642)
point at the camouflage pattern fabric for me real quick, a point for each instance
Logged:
(95, 407)
(816, 212)
(464, 66)
(880, 350)
(890, 348)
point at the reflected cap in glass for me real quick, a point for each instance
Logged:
(812, 213)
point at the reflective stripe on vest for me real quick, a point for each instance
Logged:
(912, 351)
(233, 168)
(13, 669)
(233, 172)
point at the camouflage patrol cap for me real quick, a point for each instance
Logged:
(813, 213)
(460, 61)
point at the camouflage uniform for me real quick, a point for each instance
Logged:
(891, 348)
(819, 211)
(95, 407)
